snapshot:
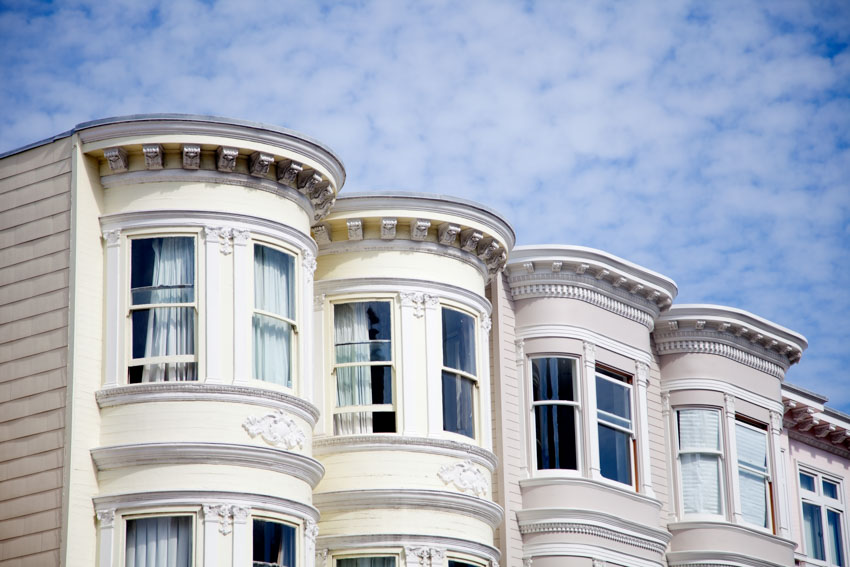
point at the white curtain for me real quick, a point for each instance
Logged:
(367, 562)
(699, 430)
(353, 383)
(171, 330)
(159, 542)
(752, 452)
(273, 274)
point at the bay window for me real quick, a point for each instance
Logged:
(273, 544)
(615, 425)
(823, 511)
(162, 309)
(753, 476)
(274, 315)
(556, 407)
(163, 541)
(459, 372)
(700, 461)
(363, 367)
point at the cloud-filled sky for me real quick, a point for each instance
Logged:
(708, 141)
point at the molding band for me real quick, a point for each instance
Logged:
(672, 344)
(527, 332)
(716, 385)
(344, 543)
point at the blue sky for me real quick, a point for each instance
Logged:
(709, 141)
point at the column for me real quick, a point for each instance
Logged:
(412, 305)
(211, 525)
(486, 419)
(434, 364)
(321, 354)
(670, 452)
(780, 488)
(526, 411)
(114, 317)
(106, 521)
(591, 434)
(304, 384)
(243, 268)
(241, 537)
(732, 459)
(311, 532)
(217, 243)
(642, 425)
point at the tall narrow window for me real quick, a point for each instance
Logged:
(753, 477)
(458, 372)
(616, 433)
(274, 315)
(363, 368)
(700, 461)
(366, 562)
(159, 542)
(823, 512)
(553, 383)
(162, 309)
(274, 544)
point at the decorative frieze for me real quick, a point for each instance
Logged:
(597, 298)
(277, 429)
(416, 300)
(260, 162)
(589, 529)
(222, 235)
(117, 159)
(466, 477)
(225, 158)
(154, 156)
(224, 514)
(667, 346)
(191, 156)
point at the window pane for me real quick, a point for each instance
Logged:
(834, 540)
(458, 341)
(753, 497)
(274, 544)
(159, 542)
(162, 270)
(813, 528)
(367, 562)
(352, 423)
(615, 454)
(457, 404)
(163, 331)
(830, 490)
(752, 447)
(699, 429)
(700, 483)
(272, 350)
(556, 437)
(453, 563)
(362, 331)
(553, 379)
(614, 398)
(363, 385)
(807, 482)
(273, 281)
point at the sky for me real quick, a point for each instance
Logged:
(707, 141)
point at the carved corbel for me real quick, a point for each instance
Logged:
(447, 233)
(636, 289)
(308, 180)
(225, 158)
(840, 437)
(112, 237)
(260, 164)
(117, 159)
(602, 274)
(673, 325)
(287, 172)
(469, 239)
(653, 297)
(106, 518)
(355, 229)
(824, 430)
(621, 281)
(582, 268)
(308, 262)
(497, 262)
(419, 229)
(388, 225)
(805, 426)
(322, 233)
(556, 267)
(153, 156)
(800, 415)
(191, 156)
(487, 248)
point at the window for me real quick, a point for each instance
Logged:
(274, 544)
(700, 463)
(159, 542)
(162, 309)
(555, 402)
(366, 562)
(363, 356)
(823, 510)
(616, 433)
(753, 476)
(458, 372)
(274, 315)
(454, 563)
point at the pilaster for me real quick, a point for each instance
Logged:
(732, 459)
(590, 425)
(114, 319)
(641, 422)
(243, 269)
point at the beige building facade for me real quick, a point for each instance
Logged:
(209, 356)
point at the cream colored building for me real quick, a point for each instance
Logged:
(211, 357)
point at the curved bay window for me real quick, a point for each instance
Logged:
(273, 544)
(162, 309)
(616, 429)
(459, 375)
(555, 403)
(363, 357)
(274, 315)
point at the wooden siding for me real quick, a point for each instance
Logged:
(35, 223)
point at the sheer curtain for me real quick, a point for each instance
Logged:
(273, 274)
(353, 383)
(367, 562)
(699, 430)
(752, 453)
(159, 542)
(170, 330)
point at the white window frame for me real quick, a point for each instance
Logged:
(720, 453)
(473, 378)
(141, 515)
(767, 475)
(824, 503)
(626, 380)
(264, 518)
(369, 553)
(129, 308)
(578, 390)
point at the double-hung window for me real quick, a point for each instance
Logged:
(823, 513)
(274, 315)
(273, 544)
(163, 307)
(363, 357)
(556, 407)
(753, 474)
(616, 428)
(700, 461)
(161, 541)
(459, 376)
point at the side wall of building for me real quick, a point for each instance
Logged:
(35, 235)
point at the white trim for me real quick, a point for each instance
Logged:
(681, 343)
(716, 385)
(450, 544)
(406, 369)
(589, 419)
(642, 426)
(213, 239)
(708, 558)
(616, 488)
(243, 293)
(531, 550)
(114, 348)
(413, 499)
(396, 286)
(434, 366)
(570, 332)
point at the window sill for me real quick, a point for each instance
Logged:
(761, 533)
(579, 481)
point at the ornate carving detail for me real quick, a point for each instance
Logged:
(431, 301)
(225, 158)
(277, 429)
(388, 225)
(322, 200)
(589, 352)
(776, 421)
(699, 325)
(642, 372)
(308, 262)
(419, 554)
(602, 274)
(311, 531)
(153, 156)
(240, 237)
(260, 163)
(665, 403)
(112, 237)
(419, 229)
(582, 268)
(729, 404)
(240, 514)
(469, 239)
(488, 248)
(417, 300)
(191, 156)
(527, 561)
(673, 325)
(319, 300)
(106, 518)
(636, 289)
(221, 513)
(355, 229)
(520, 348)
(486, 323)
(322, 233)
(465, 476)
(621, 281)
(594, 530)
(711, 347)
(321, 557)
(287, 172)
(117, 159)
(556, 267)
(222, 235)
(437, 555)
(497, 261)
(447, 233)
(307, 180)
(529, 267)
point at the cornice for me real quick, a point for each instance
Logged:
(809, 439)
(703, 343)
(378, 442)
(414, 499)
(134, 500)
(200, 392)
(156, 454)
(353, 542)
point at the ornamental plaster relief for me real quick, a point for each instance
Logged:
(276, 429)
(466, 477)
(224, 515)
